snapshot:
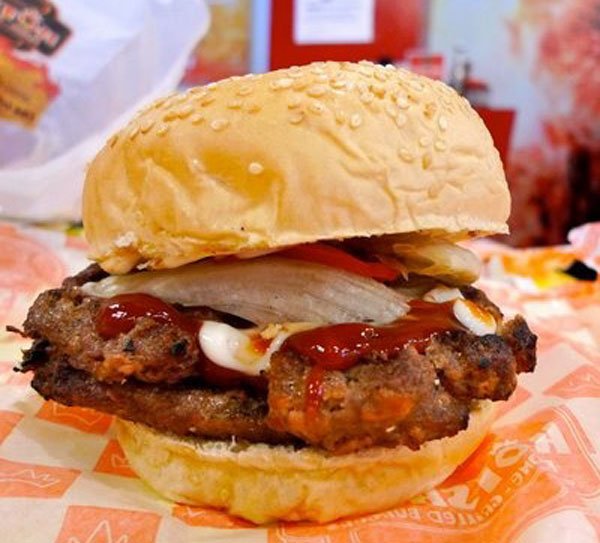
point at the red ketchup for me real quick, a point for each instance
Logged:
(119, 314)
(340, 346)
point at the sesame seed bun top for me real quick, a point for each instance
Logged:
(325, 151)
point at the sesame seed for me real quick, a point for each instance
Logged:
(168, 104)
(162, 129)
(317, 107)
(402, 102)
(391, 110)
(170, 115)
(424, 141)
(338, 83)
(406, 155)
(255, 168)
(317, 70)
(340, 116)
(196, 118)
(316, 91)
(113, 140)
(362, 86)
(219, 124)
(295, 74)
(355, 120)
(416, 85)
(378, 90)
(178, 99)
(207, 100)
(442, 122)
(380, 75)
(252, 107)
(322, 78)
(294, 102)
(401, 119)
(300, 84)
(134, 132)
(184, 111)
(440, 145)
(160, 102)
(244, 91)
(146, 126)
(430, 109)
(234, 104)
(426, 161)
(367, 97)
(297, 117)
(284, 83)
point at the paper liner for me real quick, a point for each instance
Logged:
(536, 477)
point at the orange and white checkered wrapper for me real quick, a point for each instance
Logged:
(536, 477)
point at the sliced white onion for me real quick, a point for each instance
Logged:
(426, 255)
(264, 290)
(477, 320)
(442, 294)
(441, 259)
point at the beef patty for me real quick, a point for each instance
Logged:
(407, 398)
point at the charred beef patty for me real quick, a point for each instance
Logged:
(153, 352)
(406, 398)
(182, 409)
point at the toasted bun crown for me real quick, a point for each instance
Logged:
(325, 151)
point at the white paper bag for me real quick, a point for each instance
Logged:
(59, 106)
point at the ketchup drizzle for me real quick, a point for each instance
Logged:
(333, 347)
(119, 314)
(341, 346)
(314, 391)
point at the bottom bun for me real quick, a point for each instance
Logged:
(264, 483)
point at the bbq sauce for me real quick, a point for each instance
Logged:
(340, 346)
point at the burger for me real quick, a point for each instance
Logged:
(280, 313)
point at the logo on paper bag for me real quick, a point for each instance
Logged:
(26, 27)
(32, 24)
(25, 88)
